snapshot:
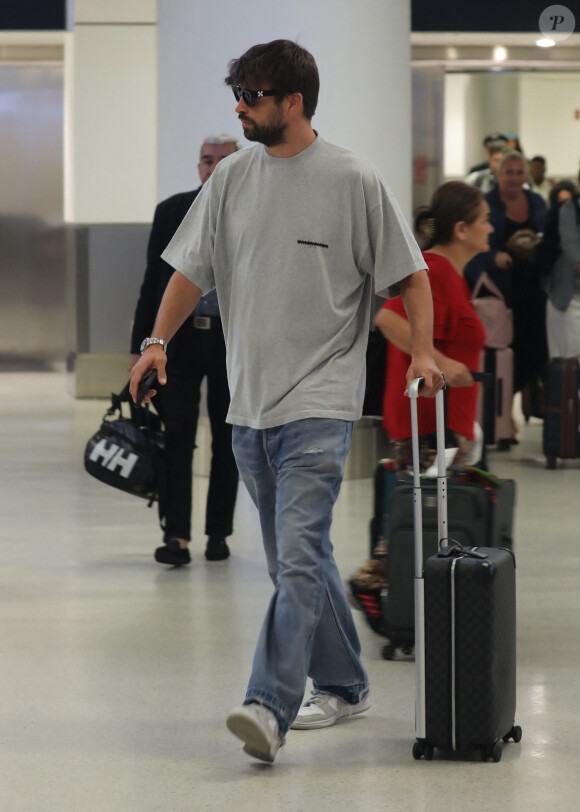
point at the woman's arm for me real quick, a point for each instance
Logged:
(397, 330)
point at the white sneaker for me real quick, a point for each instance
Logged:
(324, 709)
(258, 728)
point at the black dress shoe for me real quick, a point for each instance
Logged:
(172, 553)
(216, 549)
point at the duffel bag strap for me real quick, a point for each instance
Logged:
(140, 415)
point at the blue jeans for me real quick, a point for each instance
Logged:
(293, 474)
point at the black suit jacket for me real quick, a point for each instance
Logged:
(167, 219)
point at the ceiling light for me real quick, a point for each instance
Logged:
(499, 53)
(545, 42)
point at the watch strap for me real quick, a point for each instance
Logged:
(149, 341)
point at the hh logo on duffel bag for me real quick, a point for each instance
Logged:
(111, 456)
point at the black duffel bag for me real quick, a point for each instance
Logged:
(128, 452)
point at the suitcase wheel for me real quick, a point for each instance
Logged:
(390, 650)
(515, 734)
(493, 752)
(423, 748)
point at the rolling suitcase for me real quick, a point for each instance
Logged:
(481, 511)
(497, 423)
(561, 428)
(465, 629)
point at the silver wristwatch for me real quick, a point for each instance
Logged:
(148, 341)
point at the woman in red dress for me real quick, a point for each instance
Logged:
(456, 227)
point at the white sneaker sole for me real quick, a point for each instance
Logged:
(256, 743)
(344, 713)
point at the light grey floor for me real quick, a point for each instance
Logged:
(116, 674)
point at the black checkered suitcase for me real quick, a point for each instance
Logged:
(465, 632)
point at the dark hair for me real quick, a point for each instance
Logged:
(281, 64)
(494, 137)
(496, 146)
(452, 203)
(569, 185)
(539, 158)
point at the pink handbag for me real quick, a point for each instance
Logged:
(494, 314)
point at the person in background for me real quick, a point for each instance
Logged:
(513, 142)
(457, 228)
(486, 179)
(453, 229)
(537, 180)
(563, 284)
(489, 139)
(196, 352)
(561, 191)
(294, 234)
(517, 216)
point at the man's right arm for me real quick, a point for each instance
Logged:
(179, 300)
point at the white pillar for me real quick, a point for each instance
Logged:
(363, 54)
(110, 181)
(111, 112)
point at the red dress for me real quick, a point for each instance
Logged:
(459, 334)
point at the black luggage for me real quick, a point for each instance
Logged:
(129, 452)
(465, 628)
(481, 513)
(497, 421)
(562, 415)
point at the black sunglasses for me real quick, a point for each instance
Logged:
(251, 96)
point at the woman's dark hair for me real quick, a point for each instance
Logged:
(282, 65)
(567, 185)
(452, 203)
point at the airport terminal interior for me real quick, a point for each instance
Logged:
(117, 673)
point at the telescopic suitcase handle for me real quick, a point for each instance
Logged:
(442, 533)
(419, 591)
(486, 378)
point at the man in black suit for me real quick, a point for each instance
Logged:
(196, 351)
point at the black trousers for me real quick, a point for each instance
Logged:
(530, 344)
(203, 355)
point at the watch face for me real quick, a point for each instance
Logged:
(144, 345)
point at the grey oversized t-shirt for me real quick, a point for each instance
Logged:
(292, 246)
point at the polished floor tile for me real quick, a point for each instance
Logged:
(116, 673)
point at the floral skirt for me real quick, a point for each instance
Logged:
(402, 451)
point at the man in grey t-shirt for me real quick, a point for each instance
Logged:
(294, 234)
